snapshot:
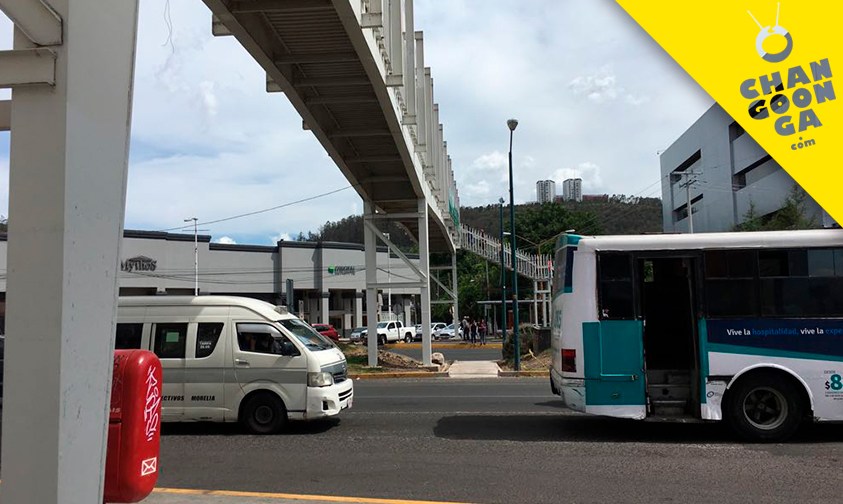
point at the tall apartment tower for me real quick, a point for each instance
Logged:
(545, 191)
(572, 190)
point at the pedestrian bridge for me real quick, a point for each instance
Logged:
(354, 70)
(536, 267)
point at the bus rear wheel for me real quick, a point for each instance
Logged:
(264, 414)
(765, 406)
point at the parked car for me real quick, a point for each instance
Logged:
(434, 328)
(327, 330)
(447, 332)
(390, 332)
(358, 335)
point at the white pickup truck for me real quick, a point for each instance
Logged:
(392, 331)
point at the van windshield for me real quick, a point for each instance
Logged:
(310, 338)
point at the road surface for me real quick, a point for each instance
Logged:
(501, 441)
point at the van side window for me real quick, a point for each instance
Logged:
(207, 335)
(259, 338)
(128, 336)
(170, 341)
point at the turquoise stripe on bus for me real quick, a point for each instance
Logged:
(770, 352)
(702, 333)
(613, 353)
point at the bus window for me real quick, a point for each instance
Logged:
(615, 279)
(730, 283)
(170, 341)
(128, 336)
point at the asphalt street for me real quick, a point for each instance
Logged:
(501, 441)
(454, 352)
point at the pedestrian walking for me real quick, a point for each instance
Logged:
(482, 330)
(464, 325)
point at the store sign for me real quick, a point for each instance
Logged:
(139, 263)
(342, 270)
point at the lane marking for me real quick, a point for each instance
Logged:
(301, 497)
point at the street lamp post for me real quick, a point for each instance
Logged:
(503, 277)
(512, 124)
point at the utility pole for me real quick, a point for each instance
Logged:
(195, 254)
(690, 180)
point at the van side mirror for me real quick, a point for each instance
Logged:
(288, 349)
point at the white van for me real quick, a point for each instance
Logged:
(233, 359)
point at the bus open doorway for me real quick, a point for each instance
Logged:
(670, 336)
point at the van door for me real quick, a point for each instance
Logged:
(169, 343)
(258, 364)
(204, 373)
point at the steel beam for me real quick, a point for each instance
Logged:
(326, 57)
(218, 29)
(339, 100)
(331, 81)
(368, 224)
(5, 115)
(359, 133)
(395, 285)
(36, 19)
(372, 159)
(252, 6)
(272, 86)
(27, 67)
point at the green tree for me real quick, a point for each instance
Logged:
(791, 216)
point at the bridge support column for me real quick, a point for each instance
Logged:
(456, 293)
(535, 302)
(67, 195)
(371, 253)
(424, 267)
(358, 309)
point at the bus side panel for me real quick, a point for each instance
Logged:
(614, 368)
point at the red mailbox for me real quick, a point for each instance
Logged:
(134, 426)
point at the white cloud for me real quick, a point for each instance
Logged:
(282, 236)
(226, 240)
(590, 173)
(599, 87)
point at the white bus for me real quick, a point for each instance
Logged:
(233, 359)
(746, 327)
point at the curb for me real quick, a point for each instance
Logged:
(409, 374)
(510, 374)
(439, 346)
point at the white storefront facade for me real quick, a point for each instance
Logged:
(329, 279)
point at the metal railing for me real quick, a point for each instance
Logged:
(538, 267)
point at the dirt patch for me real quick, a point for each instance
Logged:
(358, 360)
(531, 361)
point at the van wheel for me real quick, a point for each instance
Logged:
(264, 414)
(765, 406)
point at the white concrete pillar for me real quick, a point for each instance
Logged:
(424, 267)
(67, 194)
(325, 307)
(371, 253)
(408, 317)
(358, 309)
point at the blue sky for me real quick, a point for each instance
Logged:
(596, 97)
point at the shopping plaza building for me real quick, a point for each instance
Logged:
(328, 279)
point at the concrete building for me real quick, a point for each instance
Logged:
(545, 191)
(572, 190)
(728, 171)
(329, 279)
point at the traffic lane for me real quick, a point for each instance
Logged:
(531, 453)
(458, 352)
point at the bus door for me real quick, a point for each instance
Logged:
(668, 314)
(613, 350)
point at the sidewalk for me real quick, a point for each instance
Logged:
(179, 496)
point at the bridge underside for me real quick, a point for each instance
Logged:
(315, 52)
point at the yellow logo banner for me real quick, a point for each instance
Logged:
(770, 66)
